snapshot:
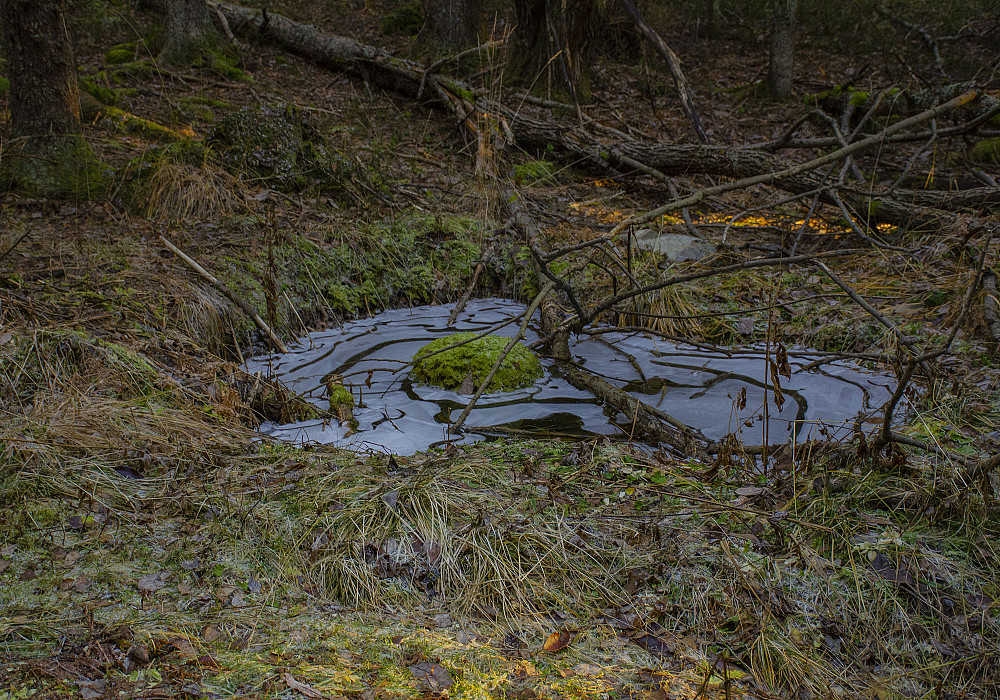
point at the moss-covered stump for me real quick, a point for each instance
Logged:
(474, 360)
(277, 144)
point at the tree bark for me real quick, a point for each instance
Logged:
(714, 18)
(552, 47)
(47, 156)
(44, 99)
(189, 32)
(782, 49)
(450, 25)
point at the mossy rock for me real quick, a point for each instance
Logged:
(475, 359)
(278, 145)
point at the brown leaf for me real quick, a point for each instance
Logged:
(306, 690)
(151, 583)
(433, 677)
(468, 386)
(210, 633)
(557, 641)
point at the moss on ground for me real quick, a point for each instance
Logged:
(406, 20)
(411, 259)
(535, 172)
(450, 369)
(986, 151)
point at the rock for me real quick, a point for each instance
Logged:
(676, 246)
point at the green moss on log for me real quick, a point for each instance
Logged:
(449, 369)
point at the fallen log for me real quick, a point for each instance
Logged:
(374, 65)
(645, 420)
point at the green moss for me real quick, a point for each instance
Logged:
(133, 70)
(102, 94)
(535, 172)
(60, 166)
(859, 97)
(407, 20)
(986, 151)
(4, 86)
(340, 396)
(449, 369)
(122, 53)
(127, 123)
(225, 65)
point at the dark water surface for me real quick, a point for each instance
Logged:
(693, 385)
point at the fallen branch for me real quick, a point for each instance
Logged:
(460, 304)
(673, 63)
(374, 65)
(235, 298)
(503, 356)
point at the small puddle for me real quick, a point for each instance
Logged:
(694, 386)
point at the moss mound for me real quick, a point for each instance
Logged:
(450, 369)
(277, 144)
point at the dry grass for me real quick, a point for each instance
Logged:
(178, 191)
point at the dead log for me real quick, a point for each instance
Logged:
(644, 420)
(374, 65)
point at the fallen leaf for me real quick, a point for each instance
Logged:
(306, 690)
(468, 386)
(210, 633)
(557, 641)
(442, 620)
(434, 677)
(151, 583)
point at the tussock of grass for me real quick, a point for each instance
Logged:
(176, 191)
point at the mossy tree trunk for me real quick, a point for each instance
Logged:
(450, 25)
(782, 49)
(552, 46)
(47, 155)
(189, 33)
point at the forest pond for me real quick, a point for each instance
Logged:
(696, 386)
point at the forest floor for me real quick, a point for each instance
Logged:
(155, 546)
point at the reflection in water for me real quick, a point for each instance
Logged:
(694, 386)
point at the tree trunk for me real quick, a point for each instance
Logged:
(450, 25)
(189, 32)
(782, 49)
(48, 156)
(552, 47)
(714, 12)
